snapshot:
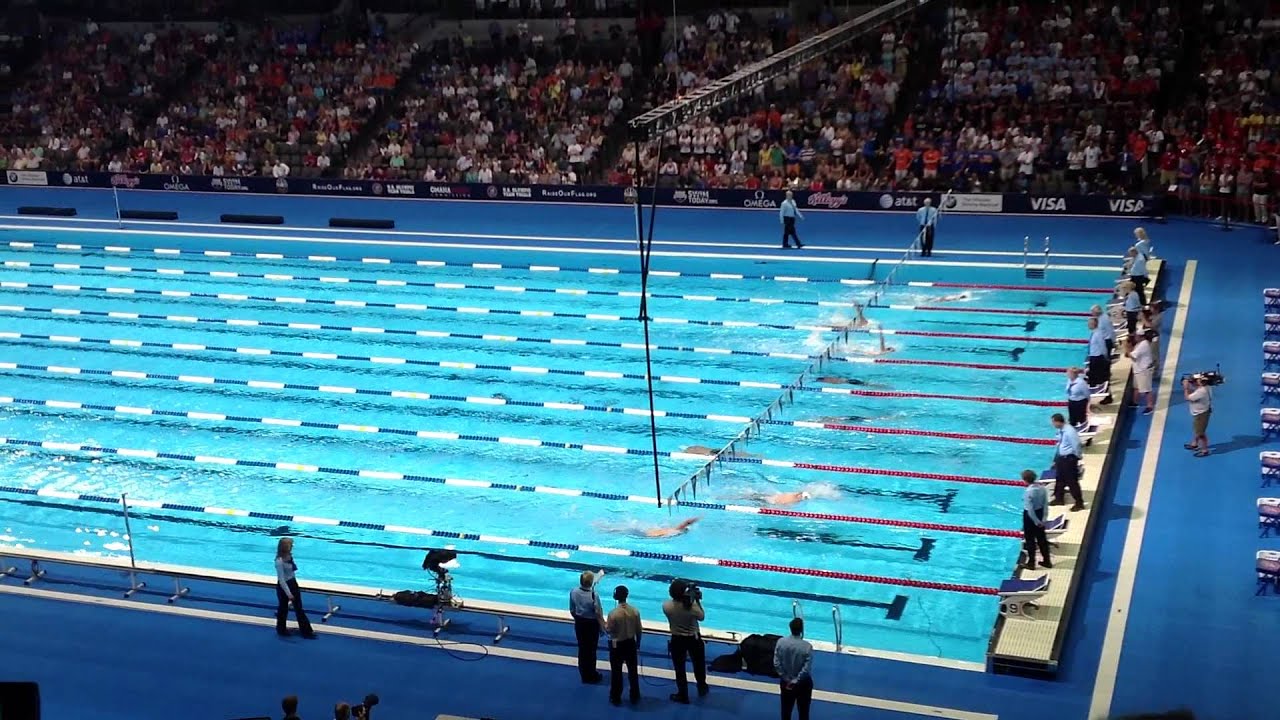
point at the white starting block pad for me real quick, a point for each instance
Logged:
(1270, 385)
(1271, 299)
(1270, 422)
(1018, 597)
(1103, 391)
(1268, 567)
(1270, 460)
(1268, 516)
(1271, 324)
(1270, 353)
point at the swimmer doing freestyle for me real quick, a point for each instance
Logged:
(652, 531)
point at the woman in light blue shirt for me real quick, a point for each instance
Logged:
(1132, 307)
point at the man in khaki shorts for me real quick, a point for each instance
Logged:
(1143, 371)
(1200, 403)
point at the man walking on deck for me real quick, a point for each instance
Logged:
(927, 219)
(788, 213)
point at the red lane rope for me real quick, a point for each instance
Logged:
(971, 336)
(942, 477)
(941, 396)
(1002, 311)
(858, 577)
(939, 434)
(976, 366)
(940, 527)
(1042, 288)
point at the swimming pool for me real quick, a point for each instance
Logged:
(340, 368)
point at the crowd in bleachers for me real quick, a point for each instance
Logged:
(526, 110)
(1046, 98)
(93, 89)
(815, 127)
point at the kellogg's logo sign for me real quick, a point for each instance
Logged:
(831, 201)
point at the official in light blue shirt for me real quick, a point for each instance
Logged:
(1132, 304)
(788, 213)
(1077, 387)
(1035, 506)
(1098, 342)
(793, 661)
(1078, 393)
(1068, 441)
(927, 219)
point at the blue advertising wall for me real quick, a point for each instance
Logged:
(985, 203)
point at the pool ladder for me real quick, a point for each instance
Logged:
(797, 610)
(1034, 273)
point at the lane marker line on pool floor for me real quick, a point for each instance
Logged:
(451, 436)
(499, 338)
(474, 484)
(446, 534)
(470, 310)
(480, 650)
(485, 401)
(442, 285)
(120, 249)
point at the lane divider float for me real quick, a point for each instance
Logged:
(599, 374)
(484, 337)
(481, 538)
(120, 249)
(413, 307)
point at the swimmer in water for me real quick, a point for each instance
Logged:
(953, 298)
(783, 498)
(665, 532)
(704, 450)
(859, 321)
(884, 349)
(499, 396)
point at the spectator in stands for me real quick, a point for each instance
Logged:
(588, 618)
(290, 707)
(287, 591)
(1035, 509)
(793, 661)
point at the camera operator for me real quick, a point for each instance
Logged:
(684, 611)
(1200, 403)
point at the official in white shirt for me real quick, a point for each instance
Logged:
(788, 214)
(927, 219)
(1143, 370)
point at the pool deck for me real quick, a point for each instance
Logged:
(1167, 618)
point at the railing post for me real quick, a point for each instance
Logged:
(797, 610)
(134, 584)
(838, 621)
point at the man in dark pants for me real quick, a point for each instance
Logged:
(623, 625)
(1077, 398)
(588, 616)
(1066, 464)
(788, 213)
(793, 661)
(684, 612)
(1035, 501)
(1099, 359)
(927, 218)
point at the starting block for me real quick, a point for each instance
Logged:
(1103, 391)
(1268, 516)
(1270, 385)
(1270, 467)
(1018, 596)
(1268, 572)
(1271, 299)
(1270, 353)
(1271, 325)
(1056, 527)
(1270, 422)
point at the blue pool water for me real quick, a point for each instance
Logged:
(53, 296)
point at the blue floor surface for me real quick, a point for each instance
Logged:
(1197, 636)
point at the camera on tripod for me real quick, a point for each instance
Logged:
(1207, 378)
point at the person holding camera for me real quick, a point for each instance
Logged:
(793, 661)
(624, 628)
(1200, 403)
(588, 617)
(684, 612)
(1066, 464)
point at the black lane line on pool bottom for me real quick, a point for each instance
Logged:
(919, 554)
(893, 609)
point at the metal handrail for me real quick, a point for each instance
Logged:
(838, 620)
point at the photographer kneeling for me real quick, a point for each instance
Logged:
(684, 611)
(1195, 388)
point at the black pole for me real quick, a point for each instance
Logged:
(646, 248)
